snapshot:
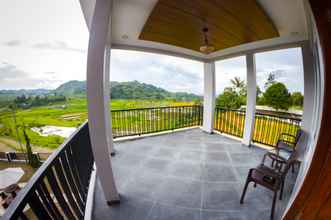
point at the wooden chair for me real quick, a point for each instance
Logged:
(286, 144)
(272, 178)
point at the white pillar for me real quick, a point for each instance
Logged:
(251, 99)
(310, 100)
(209, 97)
(107, 97)
(98, 98)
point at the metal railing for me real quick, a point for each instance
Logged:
(150, 120)
(269, 127)
(230, 121)
(58, 190)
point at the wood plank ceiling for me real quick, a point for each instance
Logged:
(230, 23)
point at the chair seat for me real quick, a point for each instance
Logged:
(282, 153)
(261, 172)
(283, 146)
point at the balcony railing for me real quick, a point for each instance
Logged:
(230, 121)
(151, 120)
(58, 190)
(269, 127)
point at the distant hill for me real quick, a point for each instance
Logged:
(71, 88)
(119, 90)
(25, 92)
(7, 96)
(127, 90)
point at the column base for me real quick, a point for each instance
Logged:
(114, 202)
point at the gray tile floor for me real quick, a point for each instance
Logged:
(187, 175)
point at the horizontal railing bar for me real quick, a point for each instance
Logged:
(277, 116)
(152, 108)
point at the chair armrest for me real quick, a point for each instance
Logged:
(273, 156)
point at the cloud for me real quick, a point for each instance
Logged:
(10, 71)
(12, 43)
(14, 78)
(173, 74)
(50, 73)
(56, 45)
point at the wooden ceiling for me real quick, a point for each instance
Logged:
(230, 23)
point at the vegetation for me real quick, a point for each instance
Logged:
(233, 97)
(66, 106)
(127, 90)
(32, 159)
(277, 96)
(297, 99)
(71, 113)
(33, 101)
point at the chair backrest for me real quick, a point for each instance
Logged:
(295, 153)
(298, 135)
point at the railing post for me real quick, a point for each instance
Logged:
(98, 97)
(251, 99)
(209, 97)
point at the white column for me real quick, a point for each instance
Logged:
(209, 97)
(310, 101)
(107, 97)
(98, 98)
(251, 99)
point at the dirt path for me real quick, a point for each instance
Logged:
(7, 144)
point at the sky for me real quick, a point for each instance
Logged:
(43, 44)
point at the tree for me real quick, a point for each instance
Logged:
(229, 99)
(270, 80)
(277, 96)
(239, 86)
(259, 96)
(32, 158)
(297, 99)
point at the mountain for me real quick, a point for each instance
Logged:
(119, 90)
(71, 88)
(25, 92)
(126, 90)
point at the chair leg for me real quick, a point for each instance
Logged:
(273, 206)
(281, 190)
(244, 191)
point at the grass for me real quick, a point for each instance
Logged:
(74, 112)
(71, 113)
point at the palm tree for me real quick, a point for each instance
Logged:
(238, 83)
(239, 86)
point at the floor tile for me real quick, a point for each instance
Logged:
(161, 212)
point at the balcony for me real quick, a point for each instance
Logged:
(186, 175)
(175, 170)
(190, 174)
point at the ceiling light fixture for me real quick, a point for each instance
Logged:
(206, 48)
